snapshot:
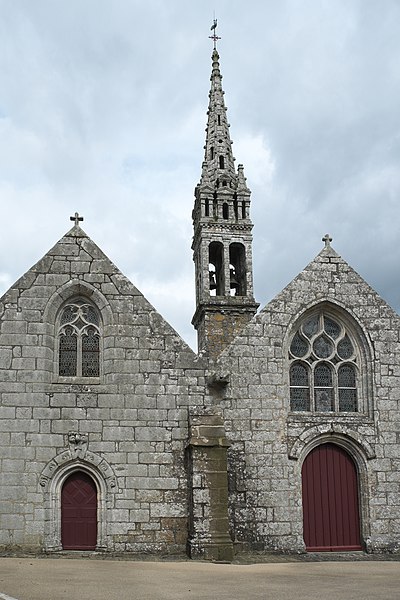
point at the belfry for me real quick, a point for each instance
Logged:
(222, 241)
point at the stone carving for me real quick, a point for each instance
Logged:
(330, 429)
(77, 454)
(79, 387)
(77, 444)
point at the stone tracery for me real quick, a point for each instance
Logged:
(324, 367)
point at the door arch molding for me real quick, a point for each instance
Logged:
(52, 480)
(337, 433)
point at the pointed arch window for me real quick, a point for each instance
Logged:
(324, 373)
(79, 340)
(299, 387)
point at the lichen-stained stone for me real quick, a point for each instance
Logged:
(269, 441)
(187, 454)
(130, 412)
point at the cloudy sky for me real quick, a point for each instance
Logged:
(103, 108)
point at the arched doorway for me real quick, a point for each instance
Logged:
(79, 512)
(331, 520)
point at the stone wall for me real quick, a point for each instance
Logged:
(218, 325)
(154, 430)
(133, 419)
(269, 444)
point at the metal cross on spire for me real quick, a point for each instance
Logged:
(214, 36)
(76, 218)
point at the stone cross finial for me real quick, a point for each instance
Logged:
(327, 239)
(76, 218)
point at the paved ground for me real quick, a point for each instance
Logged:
(70, 578)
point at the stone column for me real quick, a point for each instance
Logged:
(209, 537)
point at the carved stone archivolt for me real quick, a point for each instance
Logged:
(78, 453)
(330, 432)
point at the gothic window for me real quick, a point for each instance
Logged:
(221, 162)
(299, 387)
(323, 388)
(347, 388)
(324, 367)
(79, 340)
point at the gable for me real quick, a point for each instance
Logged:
(76, 267)
(327, 279)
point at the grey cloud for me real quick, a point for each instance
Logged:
(103, 108)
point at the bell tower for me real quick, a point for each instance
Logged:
(222, 241)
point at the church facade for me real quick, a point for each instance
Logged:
(281, 434)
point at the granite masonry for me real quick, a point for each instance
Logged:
(281, 434)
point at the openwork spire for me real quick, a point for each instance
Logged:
(222, 240)
(218, 166)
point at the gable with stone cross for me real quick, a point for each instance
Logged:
(77, 219)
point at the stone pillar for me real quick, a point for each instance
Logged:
(209, 537)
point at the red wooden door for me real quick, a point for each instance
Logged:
(330, 500)
(79, 513)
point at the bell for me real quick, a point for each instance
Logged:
(234, 284)
(213, 281)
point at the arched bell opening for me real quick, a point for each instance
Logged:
(216, 271)
(237, 269)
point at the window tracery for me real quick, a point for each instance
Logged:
(79, 340)
(324, 367)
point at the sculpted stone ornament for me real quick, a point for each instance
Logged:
(48, 473)
(78, 454)
(77, 444)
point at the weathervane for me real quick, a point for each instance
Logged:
(214, 36)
